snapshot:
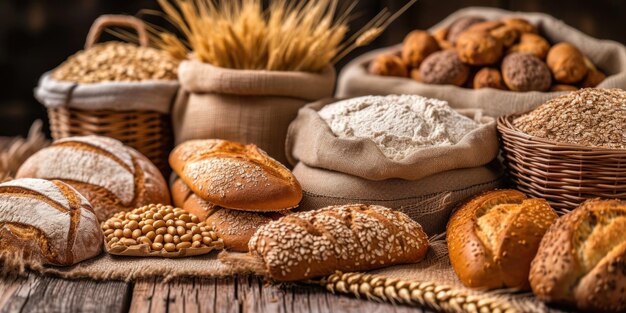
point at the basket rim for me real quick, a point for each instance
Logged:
(506, 127)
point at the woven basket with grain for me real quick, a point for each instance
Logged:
(564, 174)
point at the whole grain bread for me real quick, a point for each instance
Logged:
(47, 222)
(235, 176)
(347, 238)
(582, 258)
(112, 176)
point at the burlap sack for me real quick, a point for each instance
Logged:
(244, 105)
(151, 95)
(311, 141)
(609, 56)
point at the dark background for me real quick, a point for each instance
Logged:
(37, 35)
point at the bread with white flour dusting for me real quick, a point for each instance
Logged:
(347, 238)
(47, 221)
(114, 177)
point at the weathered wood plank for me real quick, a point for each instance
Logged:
(245, 294)
(48, 294)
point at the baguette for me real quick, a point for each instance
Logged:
(112, 176)
(353, 237)
(235, 176)
(48, 222)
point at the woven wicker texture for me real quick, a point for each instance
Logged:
(564, 174)
(148, 132)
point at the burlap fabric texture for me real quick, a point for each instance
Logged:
(427, 185)
(244, 105)
(608, 56)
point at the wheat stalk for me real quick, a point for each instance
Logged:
(442, 298)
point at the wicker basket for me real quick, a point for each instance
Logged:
(148, 131)
(564, 174)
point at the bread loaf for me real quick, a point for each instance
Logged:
(346, 238)
(582, 258)
(112, 176)
(233, 226)
(493, 238)
(48, 222)
(235, 176)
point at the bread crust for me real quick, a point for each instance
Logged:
(47, 222)
(493, 238)
(235, 176)
(582, 258)
(353, 237)
(112, 176)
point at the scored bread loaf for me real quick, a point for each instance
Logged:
(47, 222)
(582, 258)
(347, 238)
(493, 238)
(235, 176)
(233, 226)
(112, 176)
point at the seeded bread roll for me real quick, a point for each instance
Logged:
(493, 238)
(444, 68)
(235, 176)
(48, 222)
(346, 238)
(112, 176)
(525, 72)
(582, 258)
(233, 226)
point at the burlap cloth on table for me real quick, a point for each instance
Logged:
(609, 56)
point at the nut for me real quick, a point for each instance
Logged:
(124, 231)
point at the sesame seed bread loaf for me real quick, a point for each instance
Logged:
(112, 176)
(347, 238)
(493, 238)
(582, 258)
(48, 222)
(233, 226)
(235, 176)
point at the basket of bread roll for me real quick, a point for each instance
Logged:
(116, 89)
(502, 62)
(569, 149)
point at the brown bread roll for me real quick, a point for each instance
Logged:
(234, 227)
(461, 25)
(582, 258)
(493, 238)
(567, 63)
(112, 176)
(417, 45)
(346, 238)
(388, 65)
(235, 176)
(525, 72)
(479, 48)
(48, 222)
(443, 68)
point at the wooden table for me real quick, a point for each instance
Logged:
(237, 294)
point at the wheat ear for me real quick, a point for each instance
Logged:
(441, 298)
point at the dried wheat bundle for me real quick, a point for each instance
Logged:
(425, 294)
(15, 152)
(289, 36)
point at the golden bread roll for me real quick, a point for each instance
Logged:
(233, 226)
(235, 176)
(346, 238)
(493, 238)
(533, 44)
(479, 48)
(48, 222)
(567, 63)
(388, 65)
(112, 176)
(488, 78)
(417, 45)
(582, 258)
(520, 24)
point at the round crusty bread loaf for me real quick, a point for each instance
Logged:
(233, 226)
(47, 222)
(346, 238)
(582, 258)
(235, 176)
(493, 238)
(112, 176)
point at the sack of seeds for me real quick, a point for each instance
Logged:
(116, 89)
(499, 61)
(406, 152)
